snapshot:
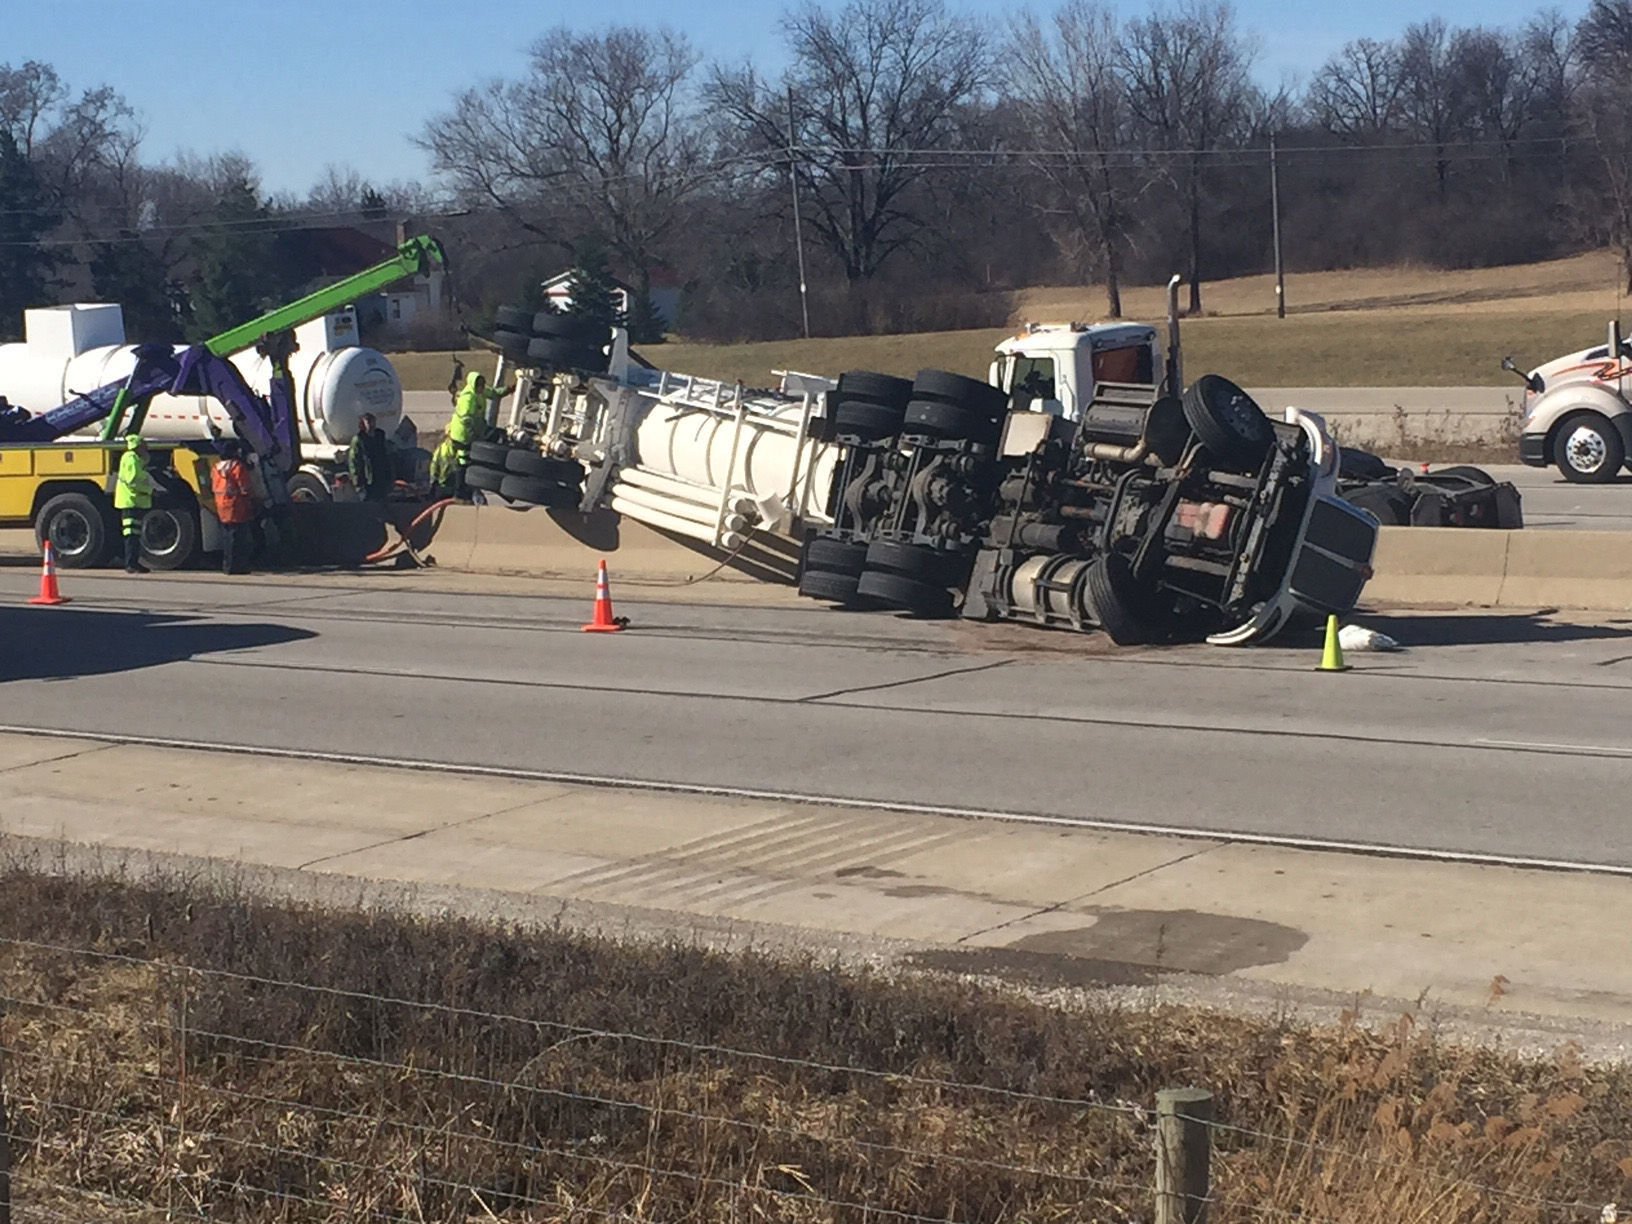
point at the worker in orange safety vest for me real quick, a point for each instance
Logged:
(234, 506)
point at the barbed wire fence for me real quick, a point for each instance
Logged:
(136, 1089)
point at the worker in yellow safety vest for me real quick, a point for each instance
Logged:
(469, 423)
(133, 497)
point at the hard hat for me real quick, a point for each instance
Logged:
(132, 441)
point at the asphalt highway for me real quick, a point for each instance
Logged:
(1496, 736)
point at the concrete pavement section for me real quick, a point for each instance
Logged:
(1040, 905)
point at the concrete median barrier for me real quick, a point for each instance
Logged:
(537, 542)
(1504, 569)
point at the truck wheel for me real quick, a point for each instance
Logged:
(513, 318)
(909, 560)
(881, 389)
(579, 331)
(947, 421)
(1118, 603)
(489, 454)
(828, 586)
(1361, 465)
(536, 492)
(1227, 421)
(309, 487)
(868, 421)
(520, 462)
(1462, 471)
(169, 537)
(485, 478)
(77, 528)
(1588, 449)
(1389, 504)
(919, 598)
(978, 397)
(843, 557)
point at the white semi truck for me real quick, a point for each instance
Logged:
(1577, 415)
(1080, 486)
(68, 350)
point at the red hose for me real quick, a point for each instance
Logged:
(402, 536)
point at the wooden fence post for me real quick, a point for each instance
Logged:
(1183, 1155)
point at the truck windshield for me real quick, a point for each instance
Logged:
(1031, 378)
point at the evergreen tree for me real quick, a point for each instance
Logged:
(592, 288)
(237, 275)
(27, 215)
(130, 272)
(646, 321)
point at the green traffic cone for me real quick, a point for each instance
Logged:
(1331, 659)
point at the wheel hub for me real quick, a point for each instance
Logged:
(1586, 450)
(159, 534)
(70, 534)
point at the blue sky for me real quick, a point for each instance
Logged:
(300, 84)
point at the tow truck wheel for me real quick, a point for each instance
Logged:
(1588, 449)
(1230, 425)
(169, 537)
(77, 529)
(307, 487)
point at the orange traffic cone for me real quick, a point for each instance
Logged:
(49, 596)
(604, 621)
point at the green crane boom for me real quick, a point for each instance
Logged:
(413, 258)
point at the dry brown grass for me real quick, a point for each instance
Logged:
(1387, 327)
(239, 1100)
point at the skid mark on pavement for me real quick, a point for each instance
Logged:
(890, 684)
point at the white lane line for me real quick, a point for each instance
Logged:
(1608, 750)
(1089, 824)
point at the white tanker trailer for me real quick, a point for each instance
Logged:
(69, 350)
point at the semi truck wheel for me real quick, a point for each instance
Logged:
(78, 529)
(868, 421)
(919, 598)
(521, 462)
(830, 587)
(978, 397)
(485, 478)
(909, 560)
(1588, 449)
(489, 454)
(947, 421)
(1227, 421)
(551, 493)
(169, 537)
(1389, 504)
(882, 389)
(1118, 603)
(836, 556)
(582, 332)
(514, 318)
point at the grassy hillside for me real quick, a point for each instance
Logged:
(1386, 327)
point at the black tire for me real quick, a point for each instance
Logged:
(513, 345)
(915, 561)
(882, 389)
(841, 557)
(79, 529)
(519, 462)
(872, 422)
(489, 454)
(948, 421)
(919, 598)
(826, 585)
(515, 318)
(1227, 421)
(309, 488)
(1361, 465)
(537, 492)
(1463, 471)
(583, 332)
(1389, 504)
(169, 537)
(1580, 459)
(554, 351)
(978, 397)
(1119, 605)
(484, 478)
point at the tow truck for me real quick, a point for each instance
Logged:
(63, 490)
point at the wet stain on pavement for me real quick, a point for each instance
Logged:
(868, 872)
(1128, 947)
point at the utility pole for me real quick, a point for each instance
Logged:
(1275, 210)
(798, 230)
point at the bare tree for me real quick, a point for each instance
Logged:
(598, 141)
(1356, 93)
(1190, 89)
(1065, 81)
(28, 94)
(1434, 102)
(874, 90)
(1604, 38)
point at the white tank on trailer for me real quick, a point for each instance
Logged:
(69, 350)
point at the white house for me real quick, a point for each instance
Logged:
(664, 297)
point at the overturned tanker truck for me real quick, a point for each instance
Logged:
(1081, 487)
